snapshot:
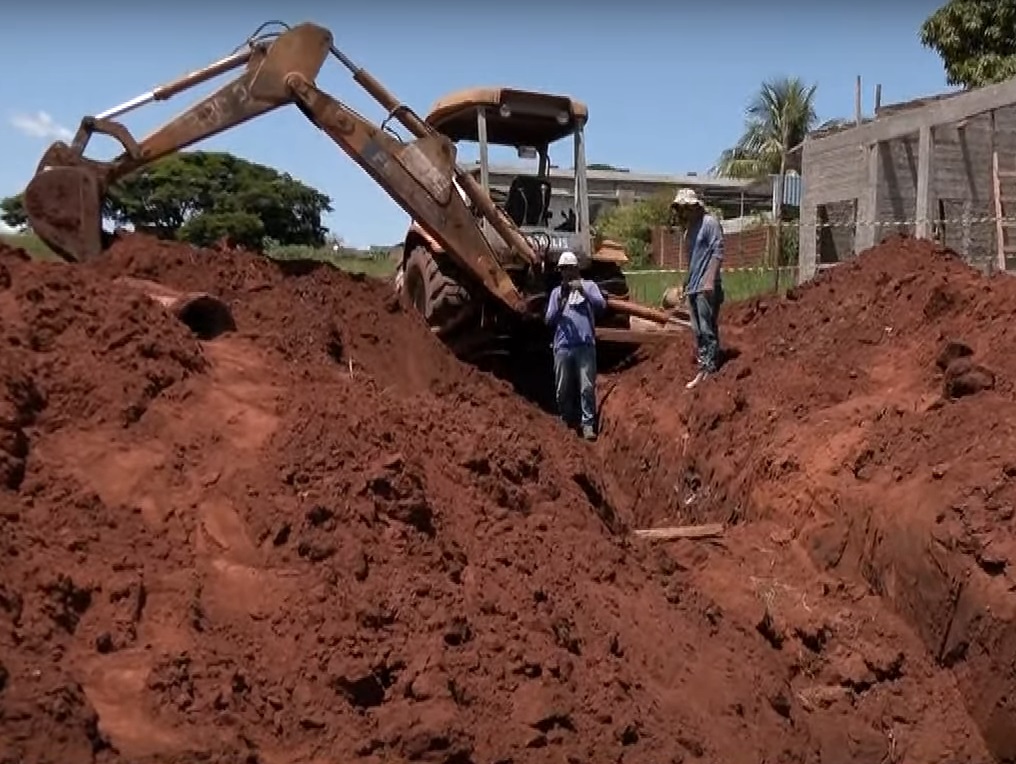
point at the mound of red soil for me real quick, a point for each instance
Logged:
(318, 537)
(869, 417)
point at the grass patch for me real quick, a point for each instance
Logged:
(32, 244)
(647, 287)
(380, 266)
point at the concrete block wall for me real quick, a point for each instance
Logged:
(961, 188)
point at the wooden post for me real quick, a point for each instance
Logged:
(996, 192)
(778, 233)
(740, 235)
(925, 148)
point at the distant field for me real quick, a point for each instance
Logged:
(379, 267)
(30, 243)
(647, 287)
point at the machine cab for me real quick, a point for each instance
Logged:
(535, 125)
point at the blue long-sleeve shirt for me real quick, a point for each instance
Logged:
(705, 243)
(574, 325)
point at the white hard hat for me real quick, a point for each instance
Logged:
(686, 197)
(566, 259)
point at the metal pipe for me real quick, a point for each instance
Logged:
(481, 134)
(346, 61)
(170, 89)
(582, 223)
(127, 106)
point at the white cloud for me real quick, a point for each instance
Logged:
(40, 125)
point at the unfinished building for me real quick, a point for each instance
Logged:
(934, 168)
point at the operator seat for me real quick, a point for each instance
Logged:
(528, 201)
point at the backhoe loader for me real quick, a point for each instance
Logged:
(507, 281)
(532, 123)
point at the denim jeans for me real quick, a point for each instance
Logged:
(704, 311)
(575, 382)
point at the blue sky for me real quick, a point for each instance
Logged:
(666, 83)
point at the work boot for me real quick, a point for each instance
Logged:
(588, 433)
(699, 378)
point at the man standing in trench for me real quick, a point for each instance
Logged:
(571, 313)
(703, 237)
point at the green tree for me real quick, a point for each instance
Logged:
(976, 40)
(200, 197)
(243, 229)
(777, 119)
(632, 225)
(12, 212)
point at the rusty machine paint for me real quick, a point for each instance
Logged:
(64, 200)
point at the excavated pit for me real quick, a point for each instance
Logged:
(298, 542)
(868, 419)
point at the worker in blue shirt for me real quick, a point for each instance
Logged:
(571, 313)
(704, 285)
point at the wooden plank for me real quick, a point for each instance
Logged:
(710, 530)
(925, 148)
(627, 307)
(962, 106)
(638, 336)
(996, 192)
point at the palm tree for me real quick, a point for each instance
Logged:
(777, 119)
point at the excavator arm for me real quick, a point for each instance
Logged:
(63, 201)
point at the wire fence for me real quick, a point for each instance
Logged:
(757, 262)
(761, 260)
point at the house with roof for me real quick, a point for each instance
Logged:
(739, 200)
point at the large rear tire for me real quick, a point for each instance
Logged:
(432, 284)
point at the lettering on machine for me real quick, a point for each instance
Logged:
(543, 242)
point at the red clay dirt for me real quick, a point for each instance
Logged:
(869, 419)
(319, 538)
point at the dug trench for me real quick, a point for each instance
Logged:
(300, 531)
(868, 421)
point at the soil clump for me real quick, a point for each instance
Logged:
(318, 537)
(868, 418)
